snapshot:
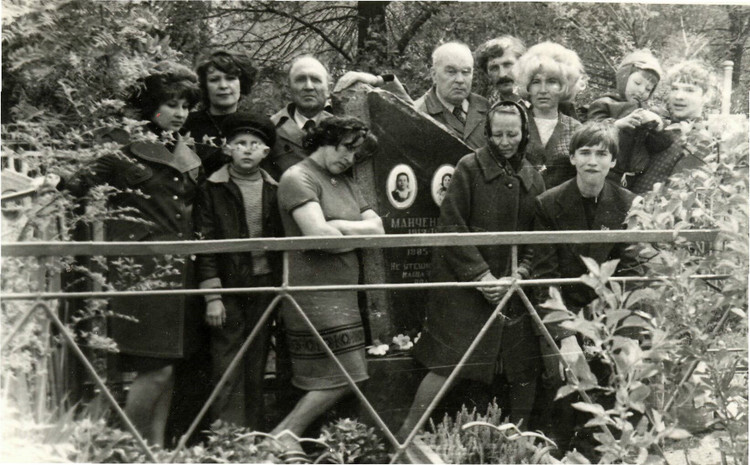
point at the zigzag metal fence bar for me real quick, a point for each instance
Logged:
(285, 291)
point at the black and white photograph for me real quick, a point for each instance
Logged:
(402, 186)
(441, 180)
(369, 232)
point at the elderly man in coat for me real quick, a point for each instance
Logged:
(308, 85)
(449, 100)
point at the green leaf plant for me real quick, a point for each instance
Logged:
(667, 345)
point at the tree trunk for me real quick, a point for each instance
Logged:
(372, 41)
(739, 25)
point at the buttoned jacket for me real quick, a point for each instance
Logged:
(561, 209)
(157, 187)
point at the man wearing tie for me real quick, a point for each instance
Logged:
(308, 86)
(450, 100)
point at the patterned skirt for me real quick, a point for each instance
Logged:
(335, 315)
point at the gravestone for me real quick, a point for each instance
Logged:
(405, 180)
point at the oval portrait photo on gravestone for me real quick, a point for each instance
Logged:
(401, 186)
(440, 182)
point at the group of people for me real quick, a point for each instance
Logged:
(534, 166)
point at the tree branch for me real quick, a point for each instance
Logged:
(316, 29)
(414, 27)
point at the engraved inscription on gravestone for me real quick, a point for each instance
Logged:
(412, 171)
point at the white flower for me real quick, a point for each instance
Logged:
(403, 342)
(377, 349)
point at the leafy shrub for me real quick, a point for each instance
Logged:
(689, 322)
(455, 443)
(350, 441)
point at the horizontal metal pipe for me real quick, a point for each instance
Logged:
(341, 287)
(37, 249)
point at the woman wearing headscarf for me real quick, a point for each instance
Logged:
(491, 190)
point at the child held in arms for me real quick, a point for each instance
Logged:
(691, 87)
(638, 128)
(239, 201)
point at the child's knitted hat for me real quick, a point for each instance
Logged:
(636, 61)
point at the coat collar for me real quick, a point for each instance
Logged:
(609, 214)
(182, 159)
(286, 127)
(222, 176)
(475, 116)
(491, 169)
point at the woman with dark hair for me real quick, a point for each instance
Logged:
(224, 78)
(157, 181)
(318, 197)
(491, 190)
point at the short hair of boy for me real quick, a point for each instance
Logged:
(498, 47)
(594, 133)
(693, 72)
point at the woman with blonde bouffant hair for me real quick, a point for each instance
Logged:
(549, 75)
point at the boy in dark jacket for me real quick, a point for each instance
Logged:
(637, 77)
(239, 201)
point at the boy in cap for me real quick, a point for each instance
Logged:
(637, 77)
(239, 201)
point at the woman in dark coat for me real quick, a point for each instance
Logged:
(157, 182)
(491, 190)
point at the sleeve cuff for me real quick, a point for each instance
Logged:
(211, 283)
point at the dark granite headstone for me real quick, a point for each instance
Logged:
(416, 158)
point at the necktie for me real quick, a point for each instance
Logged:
(308, 126)
(458, 112)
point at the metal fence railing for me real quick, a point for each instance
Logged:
(287, 292)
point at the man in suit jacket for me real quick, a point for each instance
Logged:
(308, 85)
(587, 202)
(450, 100)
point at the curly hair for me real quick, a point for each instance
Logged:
(594, 133)
(693, 72)
(168, 80)
(233, 64)
(333, 130)
(553, 59)
(497, 47)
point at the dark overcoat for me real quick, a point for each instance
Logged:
(162, 326)
(472, 132)
(288, 150)
(482, 197)
(561, 209)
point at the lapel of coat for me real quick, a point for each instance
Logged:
(435, 108)
(570, 214)
(558, 132)
(183, 159)
(476, 116)
(610, 214)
